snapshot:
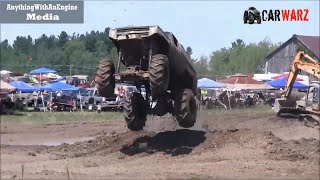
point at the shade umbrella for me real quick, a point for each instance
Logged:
(208, 83)
(281, 83)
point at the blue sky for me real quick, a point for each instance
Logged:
(204, 25)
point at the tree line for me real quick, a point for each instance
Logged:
(86, 50)
(78, 50)
(239, 58)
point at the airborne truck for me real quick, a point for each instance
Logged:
(156, 60)
(251, 15)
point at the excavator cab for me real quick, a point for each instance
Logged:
(313, 96)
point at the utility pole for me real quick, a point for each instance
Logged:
(70, 69)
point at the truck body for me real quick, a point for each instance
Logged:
(155, 60)
(154, 39)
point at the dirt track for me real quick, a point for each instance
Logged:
(241, 145)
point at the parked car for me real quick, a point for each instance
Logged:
(79, 81)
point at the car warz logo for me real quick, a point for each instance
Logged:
(252, 15)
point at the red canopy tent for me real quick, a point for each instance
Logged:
(42, 77)
(242, 81)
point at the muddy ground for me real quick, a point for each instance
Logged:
(240, 145)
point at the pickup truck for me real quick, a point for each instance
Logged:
(92, 101)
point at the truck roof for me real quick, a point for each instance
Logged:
(135, 26)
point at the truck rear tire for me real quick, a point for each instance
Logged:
(105, 81)
(186, 108)
(135, 109)
(245, 17)
(159, 75)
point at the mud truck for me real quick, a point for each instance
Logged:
(251, 15)
(156, 60)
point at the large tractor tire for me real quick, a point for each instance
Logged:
(135, 109)
(104, 80)
(159, 75)
(186, 108)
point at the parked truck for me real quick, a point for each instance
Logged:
(156, 60)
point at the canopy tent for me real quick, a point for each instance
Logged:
(59, 86)
(281, 83)
(241, 81)
(42, 71)
(208, 83)
(6, 88)
(23, 87)
(249, 86)
(285, 76)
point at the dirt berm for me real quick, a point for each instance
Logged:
(257, 146)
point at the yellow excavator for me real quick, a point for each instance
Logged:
(311, 104)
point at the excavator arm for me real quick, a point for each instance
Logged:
(301, 62)
(308, 65)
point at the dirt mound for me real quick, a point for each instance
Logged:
(294, 150)
(184, 142)
(171, 142)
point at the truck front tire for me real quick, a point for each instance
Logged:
(104, 80)
(258, 19)
(159, 75)
(186, 108)
(135, 109)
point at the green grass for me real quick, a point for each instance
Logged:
(59, 117)
(65, 117)
(256, 109)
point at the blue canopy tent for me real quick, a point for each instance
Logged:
(281, 83)
(23, 87)
(208, 83)
(59, 86)
(42, 71)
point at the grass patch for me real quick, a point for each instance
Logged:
(65, 117)
(60, 117)
(240, 112)
(235, 110)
